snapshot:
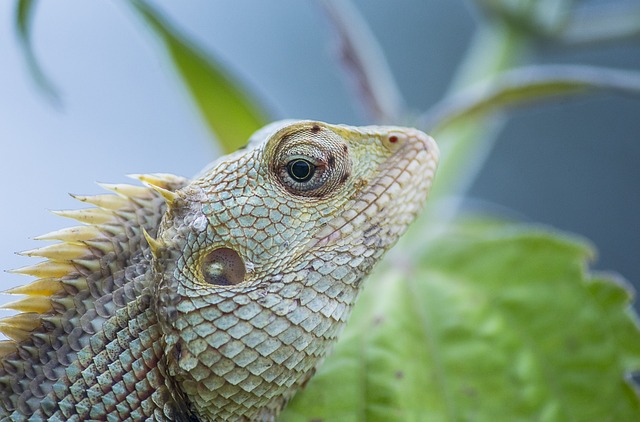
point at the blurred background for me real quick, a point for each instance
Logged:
(573, 165)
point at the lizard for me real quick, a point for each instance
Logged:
(214, 298)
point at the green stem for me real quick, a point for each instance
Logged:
(495, 49)
(464, 147)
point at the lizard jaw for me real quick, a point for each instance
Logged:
(415, 155)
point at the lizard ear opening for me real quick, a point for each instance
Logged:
(223, 267)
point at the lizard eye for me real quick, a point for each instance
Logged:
(301, 170)
(311, 162)
(304, 174)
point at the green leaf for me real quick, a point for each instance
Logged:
(537, 17)
(24, 15)
(466, 120)
(518, 87)
(230, 113)
(500, 323)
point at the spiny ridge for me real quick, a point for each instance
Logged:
(158, 182)
(71, 276)
(94, 270)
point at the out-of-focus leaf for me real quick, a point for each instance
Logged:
(490, 323)
(536, 17)
(231, 114)
(526, 85)
(599, 23)
(24, 16)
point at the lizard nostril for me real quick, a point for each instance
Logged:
(223, 267)
(394, 140)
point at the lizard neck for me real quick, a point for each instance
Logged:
(122, 370)
(245, 354)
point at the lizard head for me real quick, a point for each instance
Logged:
(259, 260)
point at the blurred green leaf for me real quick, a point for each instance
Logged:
(231, 114)
(24, 16)
(517, 87)
(600, 23)
(492, 323)
(536, 17)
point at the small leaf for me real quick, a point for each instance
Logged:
(525, 85)
(227, 109)
(24, 16)
(499, 324)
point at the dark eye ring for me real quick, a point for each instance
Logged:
(301, 170)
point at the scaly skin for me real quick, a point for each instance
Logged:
(211, 299)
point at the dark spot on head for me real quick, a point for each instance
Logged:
(373, 229)
(399, 375)
(315, 129)
(331, 160)
(345, 148)
(345, 177)
(393, 139)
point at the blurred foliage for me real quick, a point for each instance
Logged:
(489, 323)
(230, 112)
(479, 320)
(24, 16)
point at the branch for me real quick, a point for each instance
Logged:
(363, 58)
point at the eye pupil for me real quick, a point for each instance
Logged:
(300, 170)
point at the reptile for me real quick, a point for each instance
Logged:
(214, 298)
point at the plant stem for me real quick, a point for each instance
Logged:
(464, 147)
(494, 49)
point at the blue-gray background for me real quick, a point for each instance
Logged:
(573, 165)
